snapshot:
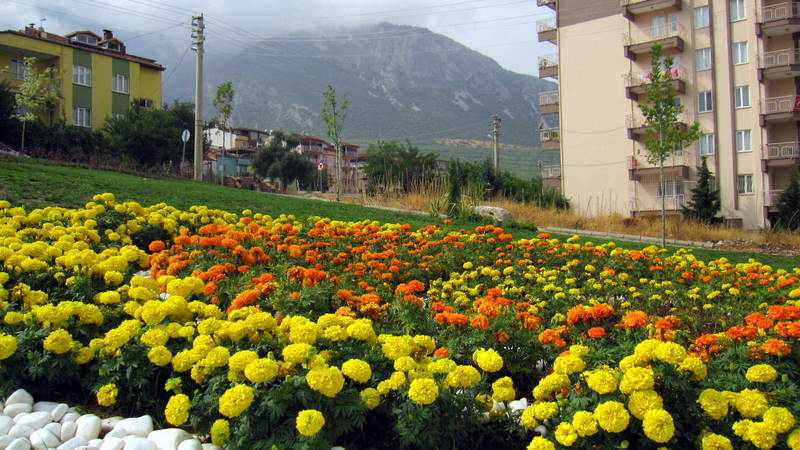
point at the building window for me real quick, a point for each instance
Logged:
(740, 52)
(712, 181)
(120, 84)
(671, 188)
(704, 102)
(147, 103)
(86, 39)
(17, 70)
(743, 141)
(81, 117)
(82, 75)
(707, 146)
(744, 184)
(741, 96)
(664, 26)
(703, 58)
(737, 10)
(701, 17)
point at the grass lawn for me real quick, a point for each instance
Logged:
(35, 185)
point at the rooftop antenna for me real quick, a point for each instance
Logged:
(41, 23)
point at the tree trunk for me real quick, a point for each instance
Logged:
(663, 203)
(22, 144)
(338, 170)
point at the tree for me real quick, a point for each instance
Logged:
(37, 92)
(8, 124)
(391, 163)
(661, 110)
(146, 136)
(788, 205)
(705, 203)
(277, 161)
(223, 102)
(334, 114)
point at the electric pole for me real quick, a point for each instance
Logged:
(197, 42)
(496, 143)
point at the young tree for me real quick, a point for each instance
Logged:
(37, 92)
(223, 102)
(277, 161)
(705, 202)
(661, 109)
(334, 114)
(146, 136)
(788, 205)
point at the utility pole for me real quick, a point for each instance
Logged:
(496, 143)
(197, 41)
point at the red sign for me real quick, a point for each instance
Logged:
(320, 166)
(796, 103)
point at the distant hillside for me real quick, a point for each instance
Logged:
(403, 83)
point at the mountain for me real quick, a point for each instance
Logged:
(402, 82)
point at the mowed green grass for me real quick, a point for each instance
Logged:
(35, 185)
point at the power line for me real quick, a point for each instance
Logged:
(426, 7)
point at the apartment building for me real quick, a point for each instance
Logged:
(97, 77)
(737, 73)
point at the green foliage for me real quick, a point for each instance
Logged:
(455, 179)
(788, 205)
(183, 113)
(146, 136)
(334, 113)
(705, 203)
(277, 161)
(223, 102)
(8, 125)
(393, 164)
(37, 92)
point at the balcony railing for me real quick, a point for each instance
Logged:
(771, 13)
(782, 104)
(551, 172)
(545, 25)
(780, 150)
(546, 62)
(673, 202)
(635, 121)
(780, 58)
(548, 98)
(641, 78)
(549, 135)
(771, 197)
(654, 33)
(548, 3)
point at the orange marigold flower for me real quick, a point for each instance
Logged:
(596, 332)
(441, 352)
(780, 312)
(788, 329)
(742, 332)
(777, 347)
(668, 323)
(633, 319)
(156, 246)
(759, 320)
(480, 321)
(600, 311)
(501, 336)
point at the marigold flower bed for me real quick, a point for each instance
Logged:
(258, 331)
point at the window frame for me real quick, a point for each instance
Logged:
(81, 75)
(118, 79)
(744, 184)
(81, 117)
(738, 97)
(17, 70)
(705, 98)
(740, 141)
(709, 142)
(736, 53)
(706, 52)
(672, 188)
(705, 23)
(738, 6)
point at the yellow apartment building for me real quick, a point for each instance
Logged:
(737, 64)
(98, 78)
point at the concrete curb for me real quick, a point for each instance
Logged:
(628, 237)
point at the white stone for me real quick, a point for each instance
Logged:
(20, 396)
(43, 439)
(116, 433)
(112, 443)
(59, 411)
(140, 443)
(19, 444)
(5, 424)
(72, 444)
(19, 416)
(137, 426)
(211, 447)
(95, 443)
(5, 440)
(498, 214)
(190, 444)
(69, 417)
(68, 430)
(88, 427)
(13, 409)
(35, 420)
(518, 405)
(55, 428)
(108, 423)
(44, 406)
(20, 431)
(168, 438)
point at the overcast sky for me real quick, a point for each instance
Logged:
(504, 30)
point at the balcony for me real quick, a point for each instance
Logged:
(780, 154)
(547, 30)
(674, 168)
(548, 66)
(638, 130)
(667, 34)
(551, 176)
(635, 82)
(631, 8)
(780, 109)
(779, 64)
(780, 19)
(549, 139)
(552, 4)
(652, 207)
(548, 102)
(771, 198)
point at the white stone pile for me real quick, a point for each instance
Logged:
(25, 425)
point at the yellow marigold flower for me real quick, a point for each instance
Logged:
(602, 380)
(396, 346)
(159, 356)
(296, 353)
(761, 373)
(423, 391)
(107, 395)
(793, 441)
(304, 332)
(82, 356)
(8, 345)
(740, 427)
(235, 400)
(357, 370)
(584, 423)
(761, 435)
(670, 353)
(642, 401)
(327, 381)
(488, 360)
(467, 265)
(361, 330)
(713, 441)
(568, 364)
(644, 350)
(565, 434)
(309, 422)
(13, 317)
(334, 333)
(425, 342)
(200, 371)
(370, 397)
(612, 416)
(540, 443)
(58, 342)
(443, 365)
(154, 337)
(579, 350)
(218, 357)
(462, 376)
(503, 390)
(112, 277)
(239, 360)
(220, 432)
(779, 419)
(751, 403)
(528, 418)
(658, 425)
(405, 364)
(714, 403)
(694, 365)
(545, 410)
(261, 370)
(636, 379)
(177, 410)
